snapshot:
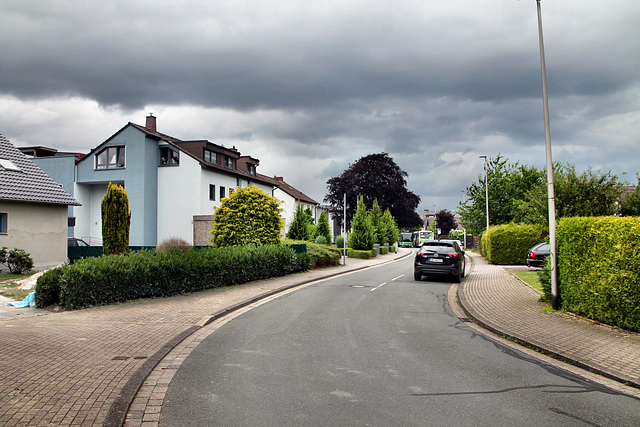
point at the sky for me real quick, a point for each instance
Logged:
(308, 88)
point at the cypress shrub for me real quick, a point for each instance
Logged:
(116, 220)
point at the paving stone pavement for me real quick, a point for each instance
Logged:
(112, 365)
(503, 304)
(84, 367)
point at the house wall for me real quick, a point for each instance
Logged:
(62, 170)
(40, 229)
(140, 179)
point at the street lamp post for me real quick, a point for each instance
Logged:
(550, 186)
(486, 188)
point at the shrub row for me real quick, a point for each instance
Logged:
(509, 244)
(599, 269)
(113, 278)
(362, 254)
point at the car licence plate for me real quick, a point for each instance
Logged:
(435, 260)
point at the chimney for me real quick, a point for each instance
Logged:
(151, 123)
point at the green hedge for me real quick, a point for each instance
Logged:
(363, 254)
(509, 244)
(599, 269)
(113, 278)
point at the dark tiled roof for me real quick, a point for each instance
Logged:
(30, 183)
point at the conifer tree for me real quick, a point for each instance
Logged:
(362, 233)
(299, 228)
(323, 226)
(116, 220)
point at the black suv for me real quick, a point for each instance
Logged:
(444, 257)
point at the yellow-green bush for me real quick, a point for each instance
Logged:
(509, 243)
(599, 268)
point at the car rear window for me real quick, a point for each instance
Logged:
(438, 245)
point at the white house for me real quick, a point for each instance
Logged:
(173, 185)
(33, 209)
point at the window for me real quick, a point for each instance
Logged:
(228, 162)
(110, 158)
(9, 165)
(169, 156)
(3, 223)
(212, 192)
(210, 156)
(222, 189)
(251, 169)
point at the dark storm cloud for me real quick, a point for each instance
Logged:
(433, 83)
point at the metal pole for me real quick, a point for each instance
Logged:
(344, 230)
(486, 188)
(550, 186)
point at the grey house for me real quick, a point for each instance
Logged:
(33, 209)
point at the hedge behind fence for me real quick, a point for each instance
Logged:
(509, 244)
(599, 268)
(146, 274)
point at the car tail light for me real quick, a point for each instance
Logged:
(454, 255)
(532, 254)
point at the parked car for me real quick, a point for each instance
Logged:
(537, 255)
(440, 257)
(75, 242)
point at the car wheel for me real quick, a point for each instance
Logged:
(464, 267)
(457, 278)
(417, 276)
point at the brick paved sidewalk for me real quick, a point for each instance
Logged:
(502, 303)
(84, 367)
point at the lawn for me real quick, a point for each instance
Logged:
(532, 278)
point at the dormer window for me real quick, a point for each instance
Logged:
(251, 169)
(228, 162)
(169, 156)
(210, 157)
(110, 158)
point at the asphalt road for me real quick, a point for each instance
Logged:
(376, 348)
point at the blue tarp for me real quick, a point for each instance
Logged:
(29, 301)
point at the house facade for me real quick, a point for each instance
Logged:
(173, 185)
(290, 198)
(33, 209)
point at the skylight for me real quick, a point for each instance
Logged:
(8, 165)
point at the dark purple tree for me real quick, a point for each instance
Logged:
(375, 176)
(445, 222)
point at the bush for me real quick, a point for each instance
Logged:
(599, 268)
(116, 220)
(143, 274)
(340, 242)
(362, 254)
(321, 240)
(508, 244)
(17, 260)
(249, 216)
(174, 243)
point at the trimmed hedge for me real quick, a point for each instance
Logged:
(599, 269)
(364, 254)
(145, 274)
(509, 244)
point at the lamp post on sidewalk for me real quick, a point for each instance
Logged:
(486, 188)
(550, 186)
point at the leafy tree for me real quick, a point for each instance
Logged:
(630, 203)
(116, 220)
(446, 221)
(587, 194)
(249, 216)
(376, 216)
(375, 176)
(323, 226)
(362, 233)
(299, 228)
(508, 183)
